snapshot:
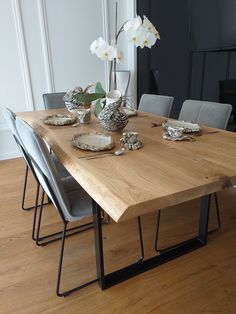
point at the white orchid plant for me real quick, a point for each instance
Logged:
(141, 33)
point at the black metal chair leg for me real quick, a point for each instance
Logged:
(157, 230)
(39, 219)
(217, 210)
(24, 191)
(66, 293)
(140, 239)
(60, 261)
(35, 213)
(42, 241)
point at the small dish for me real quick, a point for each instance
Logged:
(93, 141)
(166, 136)
(59, 119)
(187, 127)
(130, 141)
(130, 112)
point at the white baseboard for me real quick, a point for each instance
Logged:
(10, 155)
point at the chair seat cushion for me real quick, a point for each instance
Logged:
(79, 200)
(61, 170)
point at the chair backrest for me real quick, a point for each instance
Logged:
(44, 168)
(156, 104)
(10, 117)
(54, 100)
(207, 113)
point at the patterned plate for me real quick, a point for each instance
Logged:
(93, 141)
(59, 119)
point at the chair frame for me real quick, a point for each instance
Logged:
(63, 234)
(216, 208)
(28, 165)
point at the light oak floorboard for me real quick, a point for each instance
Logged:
(203, 281)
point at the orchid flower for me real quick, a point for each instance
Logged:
(103, 50)
(150, 27)
(141, 33)
(120, 56)
(133, 24)
(96, 44)
(144, 38)
(106, 52)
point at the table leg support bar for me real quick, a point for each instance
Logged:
(107, 280)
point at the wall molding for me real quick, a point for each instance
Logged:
(43, 23)
(131, 7)
(133, 53)
(106, 36)
(16, 7)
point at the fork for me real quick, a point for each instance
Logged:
(115, 153)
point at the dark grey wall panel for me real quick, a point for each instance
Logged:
(171, 54)
(213, 23)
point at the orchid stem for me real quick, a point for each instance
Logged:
(116, 20)
(110, 75)
(115, 83)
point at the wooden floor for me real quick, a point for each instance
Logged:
(203, 281)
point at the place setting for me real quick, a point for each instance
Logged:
(176, 130)
(104, 143)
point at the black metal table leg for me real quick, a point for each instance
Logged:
(204, 219)
(98, 244)
(108, 280)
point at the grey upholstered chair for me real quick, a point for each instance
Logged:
(206, 113)
(156, 104)
(54, 100)
(70, 199)
(210, 114)
(10, 117)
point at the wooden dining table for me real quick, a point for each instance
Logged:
(161, 174)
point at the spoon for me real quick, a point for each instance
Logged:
(76, 124)
(116, 153)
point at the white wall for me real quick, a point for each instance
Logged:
(126, 11)
(45, 48)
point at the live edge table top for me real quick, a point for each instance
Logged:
(161, 174)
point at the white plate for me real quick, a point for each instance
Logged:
(93, 141)
(59, 119)
(187, 126)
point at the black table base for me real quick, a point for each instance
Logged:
(107, 280)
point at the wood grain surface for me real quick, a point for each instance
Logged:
(161, 174)
(203, 281)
